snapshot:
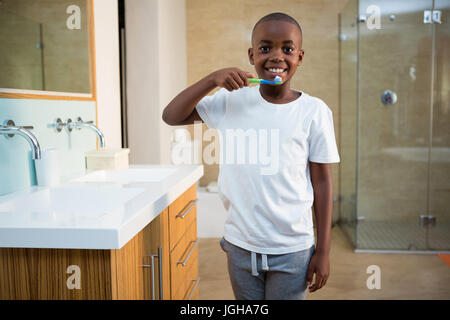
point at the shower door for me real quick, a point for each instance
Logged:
(439, 195)
(348, 58)
(402, 188)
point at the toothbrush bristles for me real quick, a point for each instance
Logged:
(278, 80)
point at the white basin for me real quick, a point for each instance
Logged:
(128, 175)
(102, 214)
(71, 200)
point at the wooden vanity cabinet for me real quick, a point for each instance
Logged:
(136, 267)
(183, 244)
(163, 253)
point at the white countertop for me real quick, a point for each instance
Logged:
(97, 215)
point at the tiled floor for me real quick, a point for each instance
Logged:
(403, 276)
(389, 235)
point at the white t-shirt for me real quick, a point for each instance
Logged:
(264, 180)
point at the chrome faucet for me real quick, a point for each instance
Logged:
(86, 124)
(9, 129)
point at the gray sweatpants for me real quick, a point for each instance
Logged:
(272, 277)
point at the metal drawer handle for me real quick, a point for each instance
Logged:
(183, 263)
(152, 257)
(192, 202)
(197, 281)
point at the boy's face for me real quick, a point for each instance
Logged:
(276, 45)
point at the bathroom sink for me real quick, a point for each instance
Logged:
(128, 175)
(70, 200)
(102, 214)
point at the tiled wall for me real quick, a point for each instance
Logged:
(218, 36)
(16, 165)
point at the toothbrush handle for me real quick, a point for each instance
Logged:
(253, 80)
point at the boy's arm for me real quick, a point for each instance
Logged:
(181, 110)
(321, 180)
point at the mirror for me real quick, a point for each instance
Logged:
(45, 45)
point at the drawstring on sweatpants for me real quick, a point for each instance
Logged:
(264, 265)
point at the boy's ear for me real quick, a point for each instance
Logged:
(250, 56)
(300, 56)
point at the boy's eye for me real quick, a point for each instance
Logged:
(266, 49)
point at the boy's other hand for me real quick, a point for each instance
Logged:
(319, 265)
(231, 78)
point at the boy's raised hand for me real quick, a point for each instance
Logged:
(231, 78)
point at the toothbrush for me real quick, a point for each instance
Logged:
(277, 80)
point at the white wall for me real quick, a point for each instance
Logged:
(141, 26)
(156, 72)
(173, 62)
(108, 70)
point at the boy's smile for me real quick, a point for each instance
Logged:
(276, 51)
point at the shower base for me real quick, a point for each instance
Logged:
(401, 237)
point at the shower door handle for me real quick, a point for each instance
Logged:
(388, 97)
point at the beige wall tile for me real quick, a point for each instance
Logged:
(219, 34)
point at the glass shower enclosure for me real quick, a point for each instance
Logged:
(395, 125)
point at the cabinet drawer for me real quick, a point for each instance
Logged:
(182, 212)
(182, 259)
(191, 283)
(188, 290)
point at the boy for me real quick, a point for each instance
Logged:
(270, 214)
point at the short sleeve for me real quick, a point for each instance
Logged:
(213, 108)
(322, 142)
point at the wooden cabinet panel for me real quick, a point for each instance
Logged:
(182, 212)
(151, 242)
(182, 258)
(127, 272)
(192, 281)
(136, 272)
(28, 273)
(164, 223)
(189, 289)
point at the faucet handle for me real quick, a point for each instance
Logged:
(8, 123)
(77, 124)
(58, 125)
(11, 123)
(81, 120)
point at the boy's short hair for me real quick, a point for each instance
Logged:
(278, 16)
